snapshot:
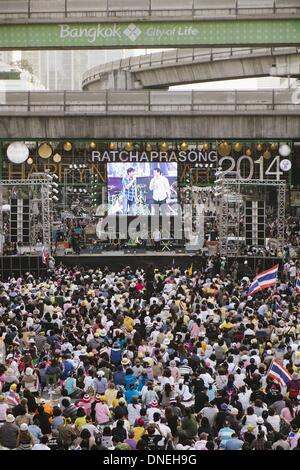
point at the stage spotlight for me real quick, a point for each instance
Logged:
(57, 158)
(129, 146)
(55, 191)
(54, 198)
(54, 184)
(67, 146)
(237, 147)
(274, 147)
(184, 146)
(164, 146)
(55, 176)
(45, 150)
(224, 149)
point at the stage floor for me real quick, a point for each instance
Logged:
(126, 253)
(116, 260)
(135, 259)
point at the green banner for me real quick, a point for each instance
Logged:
(151, 34)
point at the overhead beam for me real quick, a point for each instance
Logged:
(119, 35)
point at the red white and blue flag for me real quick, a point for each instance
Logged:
(264, 280)
(279, 373)
(12, 398)
(298, 283)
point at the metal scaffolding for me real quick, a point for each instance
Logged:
(40, 184)
(232, 185)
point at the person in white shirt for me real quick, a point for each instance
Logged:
(161, 190)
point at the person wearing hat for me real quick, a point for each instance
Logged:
(100, 382)
(30, 380)
(25, 440)
(9, 378)
(85, 403)
(154, 408)
(102, 413)
(9, 433)
(116, 353)
(111, 394)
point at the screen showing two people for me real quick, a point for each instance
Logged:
(142, 188)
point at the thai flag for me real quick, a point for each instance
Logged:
(12, 398)
(254, 287)
(279, 373)
(264, 280)
(298, 283)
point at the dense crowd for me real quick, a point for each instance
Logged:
(148, 360)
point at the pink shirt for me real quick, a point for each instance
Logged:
(195, 331)
(85, 406)
(102, 413)
(286, 415)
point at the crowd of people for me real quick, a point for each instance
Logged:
(146, 360)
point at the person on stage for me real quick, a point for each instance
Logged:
(129, 192)
(161, 190)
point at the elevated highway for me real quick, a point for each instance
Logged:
(74, 24)
(14, 11)
(181, 66)
(152, 114)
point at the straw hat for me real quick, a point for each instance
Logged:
(10, 418)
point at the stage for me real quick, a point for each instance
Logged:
(116, 260)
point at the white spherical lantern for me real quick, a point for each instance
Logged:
(285, 165)
(6, 208)
(284, 150)
(17, 153)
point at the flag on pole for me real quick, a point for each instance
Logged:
(298, 283)
(264, 280)
(190, 270)
(279, 373)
